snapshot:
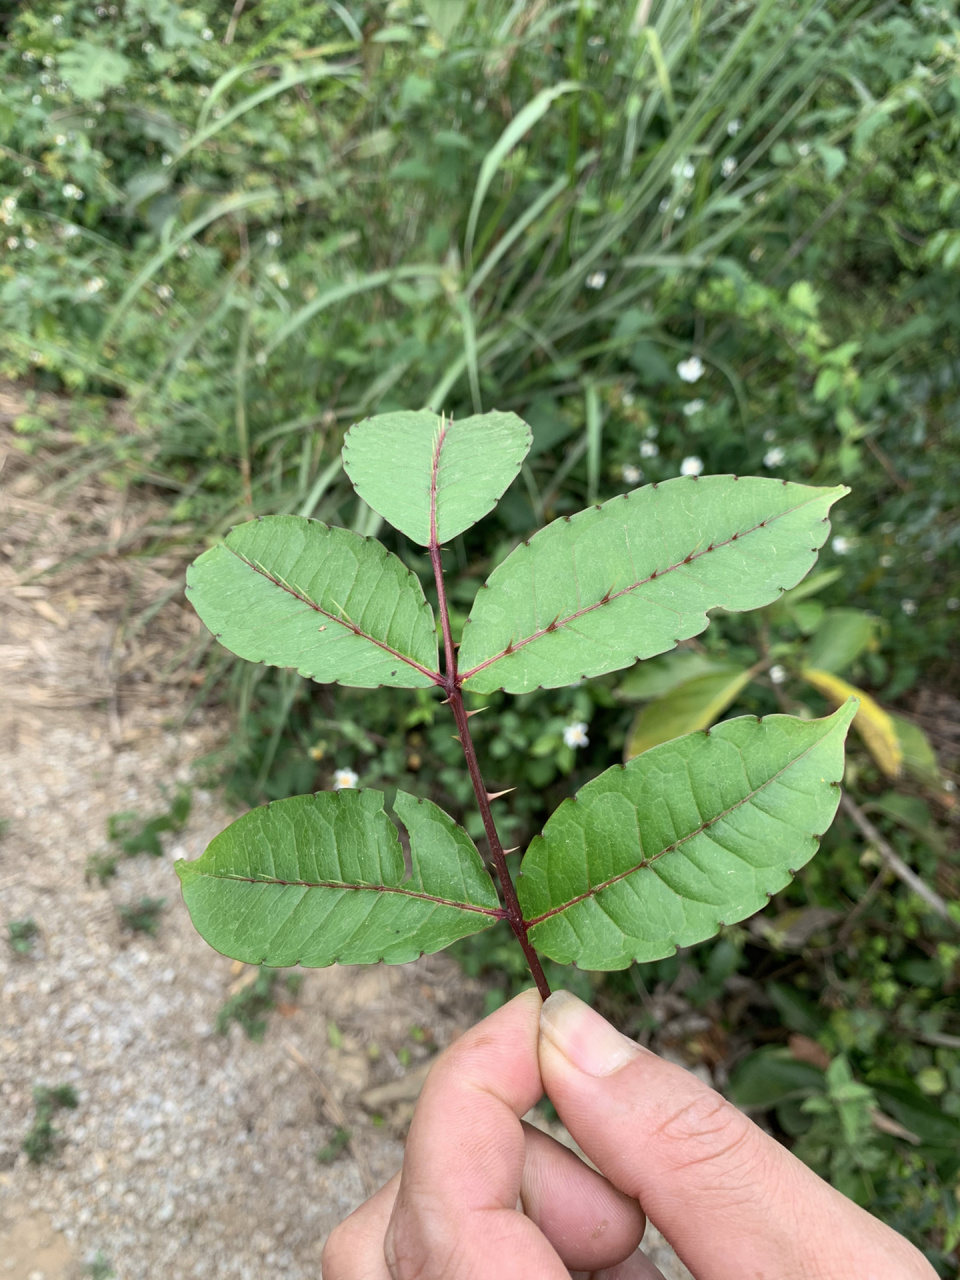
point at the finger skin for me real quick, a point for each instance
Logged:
(354, 1248)
(469, 1158)
(588, 1222)
(731, 1200)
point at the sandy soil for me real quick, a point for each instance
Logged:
(190, 1153)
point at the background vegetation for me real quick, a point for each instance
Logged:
(724, 232)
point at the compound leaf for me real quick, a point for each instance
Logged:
(317, 880)
(432, 478)
(693, 705)
(593, 592)
(659, 853)
(292, 592)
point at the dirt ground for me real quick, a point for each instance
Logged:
(189, 1152)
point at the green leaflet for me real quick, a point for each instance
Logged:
(694, 704)
(409, 465)
(317, 880)
(699, 832)
(842, 636)
(340, 608)
(595, 591)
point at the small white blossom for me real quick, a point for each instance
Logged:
(29, 242)
(774, 457)
(345, 780)
(734, 127)
(887, 527)
(260, 358)
(760, 197)
(13, 242)
(627, 399)
(71, 192)
(60, 139)
(28, 56)
(664, 205)
(28, 171)
(691, 370)
(886, 562)
(282, 280)
(840, 545)
(683, 169)
(803, 149)
(69, 231)
(207, 33)
(909, 607)
(164, 292)
(729, 167)
(770, 435)
(692, 407)
(57, 19)
(166, 158)
(949, 784)
(953, 603)
(778, 674)
(274, 238)
(184, 251)
(36, 99)
(596, 279)
(575, 735)
(652, 431)
(631, 474)
(94, 285)
(680, 210)
(148, 47)
(692, 466)
(648, 449)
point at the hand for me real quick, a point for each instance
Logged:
(734, 1203)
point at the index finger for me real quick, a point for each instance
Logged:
(462, 1169)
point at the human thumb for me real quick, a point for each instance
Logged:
(731, 1200)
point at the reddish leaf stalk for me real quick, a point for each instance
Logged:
(452, 687)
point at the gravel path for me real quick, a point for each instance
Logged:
(189, 1153)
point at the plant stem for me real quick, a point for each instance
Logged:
(451, 685)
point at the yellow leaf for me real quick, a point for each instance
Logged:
(875, 727)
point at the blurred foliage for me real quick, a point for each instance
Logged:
(22, 934)
(41, 1139)
(143, 916)
(250, 1004)
(675, 235)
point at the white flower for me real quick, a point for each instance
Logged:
(953, 603)
(71, 192)
(803, 149)
(627, 399)
(166, 158)
(770, 435)
(778, 674)
(29, 242)
(680, 210)
(57, 19)
(260, 358)
(648, 449)
(94, 284)
(691, 370)
(691, 466)
(692, 407)
(664, 205)
(274, 238)
(651, 432)
(36, 99)
(734, 127)
(184, 251)
(840, 545)
(729, 167)
(207, 33)
(13, 242)
(28, 171)
(909, 607)
(631, 474)
(886, 562)
(683, 169)
(283, 281)
(596, 279)
(69, 231)
(344, 780)
(164, 292)
(575, 735)
(774, 457)
(147, 47)
(60, 139)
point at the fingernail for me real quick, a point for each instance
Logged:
(582, 1036)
